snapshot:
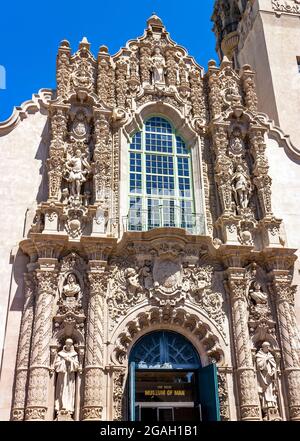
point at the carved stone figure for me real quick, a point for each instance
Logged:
(132, 278)
(71, 289)
(158, 64)
(266, 372)
(241, 187)
(77, 167)
(258, 295)
(66, 365)
(236, 145)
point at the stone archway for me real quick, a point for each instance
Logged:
(189, 325)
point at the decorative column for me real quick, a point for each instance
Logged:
(284, 299)
(246, 379)
(94, 363)
(23, 357)
(37, 400)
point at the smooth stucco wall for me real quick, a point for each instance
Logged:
(22, 161)
(272, 48)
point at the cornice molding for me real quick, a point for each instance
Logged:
(38, 102)
(282, 138)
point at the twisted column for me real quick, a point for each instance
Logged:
(284, 298)
(93, 372)
(249, 400)
(23, 356)
(37, 400)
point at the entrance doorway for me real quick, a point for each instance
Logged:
(168, 383)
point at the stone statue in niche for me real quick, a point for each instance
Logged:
(80, 126)
(236, 145)
(259, 307)
(266, 374)
(66, 365)
(158, 67)
(259, 297)
(71, 289)
(77, 167)
(241, 187)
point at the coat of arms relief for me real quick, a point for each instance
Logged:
(167, 279)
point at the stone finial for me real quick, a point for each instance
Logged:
(154, 20)
(225, 62)
(84, 43)
(64, 44)
(103, 49)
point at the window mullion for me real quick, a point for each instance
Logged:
(176, 181)
(144, 189)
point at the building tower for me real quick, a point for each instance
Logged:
(266, 35)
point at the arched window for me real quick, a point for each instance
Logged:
(160, 179)
(164, 349)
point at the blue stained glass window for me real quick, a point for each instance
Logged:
(160, 173)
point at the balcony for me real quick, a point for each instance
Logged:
(164, 217)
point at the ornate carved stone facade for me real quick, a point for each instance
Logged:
(94, 281)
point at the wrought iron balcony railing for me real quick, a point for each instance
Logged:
(161, 216)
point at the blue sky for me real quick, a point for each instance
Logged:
(30, 32)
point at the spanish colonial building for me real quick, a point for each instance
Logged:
(150, 229)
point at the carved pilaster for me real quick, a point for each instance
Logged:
(223, 395)
(223, 168)
(93, 385)
(118, 394)
(102, 162)
(56, 152)
(37, 400)
(106, 77)
(249, 87)
(284, 298)
(18, 409)
(121, 85)
(145, 64)
(215, 99)
(63, 70)
(197, 95)
(260, 170)
(247, 386)
(172, 73)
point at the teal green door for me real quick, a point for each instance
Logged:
(208, 393)
(132, 391)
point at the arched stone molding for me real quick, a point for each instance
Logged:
(38, 102)
(193, 140)
(170, 112)
(207, 340)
